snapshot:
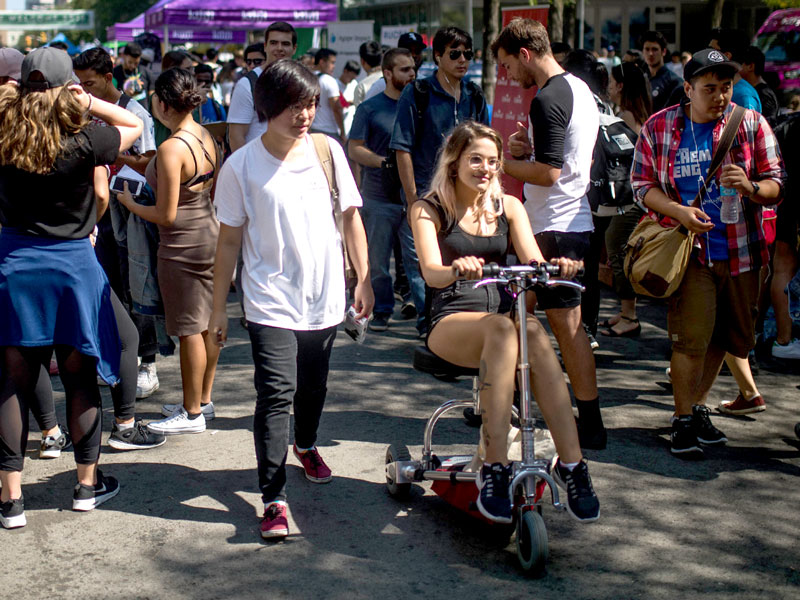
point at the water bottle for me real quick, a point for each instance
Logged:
(729, 205)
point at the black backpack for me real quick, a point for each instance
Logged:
(611, 166)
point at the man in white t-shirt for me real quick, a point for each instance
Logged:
(273, 200)
(330, 116)
(370, 55)
(280, 41)
(564, 121)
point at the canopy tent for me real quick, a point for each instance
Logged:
(72, 49)
(125, 32)
(238, 14)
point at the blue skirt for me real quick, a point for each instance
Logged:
(54, 292)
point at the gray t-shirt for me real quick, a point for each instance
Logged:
(147, 141)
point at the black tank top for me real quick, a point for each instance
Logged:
(454, 242)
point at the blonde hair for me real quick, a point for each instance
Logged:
(35, 125)
(443, 185)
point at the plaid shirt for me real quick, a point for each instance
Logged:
(754, 146)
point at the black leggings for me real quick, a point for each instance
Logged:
(21, 369)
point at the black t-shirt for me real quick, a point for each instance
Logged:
(769, 101)
(666, 87)
(61, 203)
(136, 84)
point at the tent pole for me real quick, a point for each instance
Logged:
(166, 38)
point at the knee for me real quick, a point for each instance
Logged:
(501, 335)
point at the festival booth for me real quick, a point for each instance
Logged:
(126, 32)
(234, 15)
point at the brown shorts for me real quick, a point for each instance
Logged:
(710, 306)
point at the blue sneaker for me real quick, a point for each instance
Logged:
(494, 500)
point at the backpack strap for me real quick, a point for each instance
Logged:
(725, 143)
(124, 100)
(252, 77)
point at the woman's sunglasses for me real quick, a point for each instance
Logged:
(456, 54)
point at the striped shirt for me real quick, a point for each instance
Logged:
(755, 147)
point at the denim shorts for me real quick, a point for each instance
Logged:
(461, 296)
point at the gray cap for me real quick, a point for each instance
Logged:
(708, 60)
(11, 63)
(55, 66)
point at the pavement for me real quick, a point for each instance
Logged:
(185, 524)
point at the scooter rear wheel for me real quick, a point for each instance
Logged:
(532, 548)
(394, 453)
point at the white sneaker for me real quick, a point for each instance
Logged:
(146, 381)
(207, 409)
(178, 423)
(790, 350)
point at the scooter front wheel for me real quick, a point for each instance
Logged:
(532, 543)
(394, 453)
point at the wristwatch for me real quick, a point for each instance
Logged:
(756, 188)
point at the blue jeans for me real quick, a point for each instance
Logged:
(383, 221)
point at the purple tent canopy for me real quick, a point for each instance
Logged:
(125, 32)
(239, 14)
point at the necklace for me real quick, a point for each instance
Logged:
(701, 188)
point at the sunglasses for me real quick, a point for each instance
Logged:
(254, 61)
(456, 54)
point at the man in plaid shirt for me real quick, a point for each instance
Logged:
(714, 309)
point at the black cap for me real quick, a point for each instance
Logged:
(709, 60)
(410, 40)
(55, 66)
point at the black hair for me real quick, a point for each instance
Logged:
(59, 45)
(370, 53)
(323, 54)
(734, 41)
(177, 88)
(591, 71)
(636, 95)
(296, 82)
(390, 58)
(754, 56)
(94, 59)
(283, 27)
(132, 49)
(201, 68)
(654, 37)
(211, 54)
(352, 66)
(255, 48)
(675, 53)
(173, 59)
(450, 36)
(560, 47)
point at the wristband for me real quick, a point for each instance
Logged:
(89, 108)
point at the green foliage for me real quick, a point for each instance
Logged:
(778, 4)
(108, 12)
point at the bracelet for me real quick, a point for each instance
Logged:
(89, 108)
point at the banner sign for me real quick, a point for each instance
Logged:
(391, 33)
(126, 32)
(512, 102)
(238, 14)
(46, 20)
(346, 38)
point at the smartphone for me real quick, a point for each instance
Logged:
(117, 185)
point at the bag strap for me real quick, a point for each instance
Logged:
(323, 150)
(725, 142)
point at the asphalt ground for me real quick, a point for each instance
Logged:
(186, 522)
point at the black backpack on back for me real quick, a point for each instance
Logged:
(612, 161)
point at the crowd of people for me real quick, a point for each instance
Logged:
(134, 199)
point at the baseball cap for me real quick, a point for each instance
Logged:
(410, 40)
(707, 60)
(10, 63)
(55, 66)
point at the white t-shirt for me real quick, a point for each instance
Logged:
(243, 111)
(375, 89)
(293, 274)
(324, 120)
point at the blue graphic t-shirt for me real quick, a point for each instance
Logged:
(691, 165)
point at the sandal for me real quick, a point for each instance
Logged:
(607, 323)
(629, 334)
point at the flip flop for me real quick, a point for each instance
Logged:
(635, 332)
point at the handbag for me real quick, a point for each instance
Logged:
(656, 257)
(326, 159)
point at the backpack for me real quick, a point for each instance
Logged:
(611, 164)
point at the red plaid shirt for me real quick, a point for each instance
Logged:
(754, 146)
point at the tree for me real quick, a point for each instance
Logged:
(556, 20)
(716, 13)
(491, 29)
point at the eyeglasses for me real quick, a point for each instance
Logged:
(298, 107)
(476, 162)
(203, 81)
(456, 54)
(253, 61)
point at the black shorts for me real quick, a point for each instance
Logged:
(786, 225)
(555, 244)
(461, 296)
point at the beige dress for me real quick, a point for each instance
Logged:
(186, 252)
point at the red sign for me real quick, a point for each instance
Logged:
(511, 101)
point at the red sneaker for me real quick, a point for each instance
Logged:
(275, 524)
(316, 469)
(740, 406)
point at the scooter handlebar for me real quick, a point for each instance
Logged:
(536, 269)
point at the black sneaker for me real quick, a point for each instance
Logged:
(494, 500)
(591, 437)
(683, 437)
(705, 431)
(408, 310)
(138, 437)
(52, 446)
(379, 323)
(86, 497)
(12, 514)
(582, 502)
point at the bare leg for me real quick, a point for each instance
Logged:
(194, 361)
(628, 311)
(693, 377)
(575, 349)
(785, 265)
(12, 485)
(740, 369)
(212, 356)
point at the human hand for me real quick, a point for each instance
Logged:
(734, 177)
(568, 267)
(695, 220)
(363, 299)
(125, 197)
(467, 267)
(83, 98)
(218, 327)
(519, 145)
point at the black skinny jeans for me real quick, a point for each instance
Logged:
(290, 367)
